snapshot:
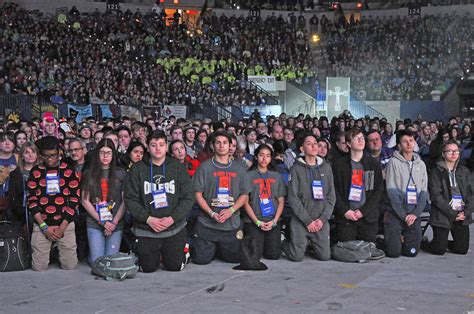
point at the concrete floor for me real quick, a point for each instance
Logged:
(425, 284)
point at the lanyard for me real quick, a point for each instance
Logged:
(411, 175)
(163, 168)
(311, 176)
(452, 178)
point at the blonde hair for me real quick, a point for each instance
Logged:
(33, 147)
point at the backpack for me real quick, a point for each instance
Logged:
(351, 251)
(15, 252)
(116, 266)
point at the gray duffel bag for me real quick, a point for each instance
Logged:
(116, 266)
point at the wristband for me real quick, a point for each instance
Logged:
(212, 214)
(258, 223)
(274, 223)
(43, 227)
(232, 210)
(113, 223)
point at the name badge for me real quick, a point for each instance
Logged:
(457, 203)
(223, 198)
(318, 192)
(160, 199)
(411, 195)
(105, 214)
(266, 206)
(52, 184)
(355, 193)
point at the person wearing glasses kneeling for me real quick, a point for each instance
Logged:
(102, 191)
(53, 197)
(452, 202)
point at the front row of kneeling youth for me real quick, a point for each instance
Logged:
(159, 195)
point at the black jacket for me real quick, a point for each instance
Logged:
(15, 194)
(373, 186)
(441, 214)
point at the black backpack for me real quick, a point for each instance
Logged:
(15, 251)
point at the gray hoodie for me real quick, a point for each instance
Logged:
(397, 180)
(300, 193)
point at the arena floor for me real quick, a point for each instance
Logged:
(425, 284)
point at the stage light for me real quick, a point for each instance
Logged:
(315, 38)
(359, 5)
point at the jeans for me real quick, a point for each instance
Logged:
(100, 245)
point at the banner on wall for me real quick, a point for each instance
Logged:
(106, 112)
(177, 111)
(79, 113)
(131, 112)
(338, 91)
(267, 83)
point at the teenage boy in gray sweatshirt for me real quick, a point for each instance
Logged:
(312, 198)
(407, 188)
(158, 194)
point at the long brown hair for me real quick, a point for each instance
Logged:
(94, 173)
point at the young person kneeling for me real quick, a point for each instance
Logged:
(265, 204)
(159, 196)
(312, 198)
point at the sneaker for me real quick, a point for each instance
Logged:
(375, 253)
(187, 256)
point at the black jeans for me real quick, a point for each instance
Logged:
(348, 230)
(169, 250)
(460, 244)
(207, 240)
(401, 238)
(268, 242)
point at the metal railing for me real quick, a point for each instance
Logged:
(269, 98)
(360, 109)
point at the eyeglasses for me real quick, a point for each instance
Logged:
(359, 138)
(105, 154)
(452, 152)
(72, 150)
(50, 156)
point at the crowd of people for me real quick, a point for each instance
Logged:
(400, 58)
(164, 188)
(135, 59)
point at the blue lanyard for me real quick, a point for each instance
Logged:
(411, 176)
(311, 170)
(163, 169)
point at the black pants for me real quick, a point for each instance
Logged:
(207, 240)
(401, 238)
(82, 241)
(169, 250)
(460, 244)
(268, 242)
(348, 230)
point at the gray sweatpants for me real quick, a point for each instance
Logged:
(300, 238)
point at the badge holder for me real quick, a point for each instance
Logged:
(266, 206)
(104, 211)
(52, 184)
(412, 197)
(457, 203)
(355, 193)
(318, 191)
(160, 199)
(223, 200)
